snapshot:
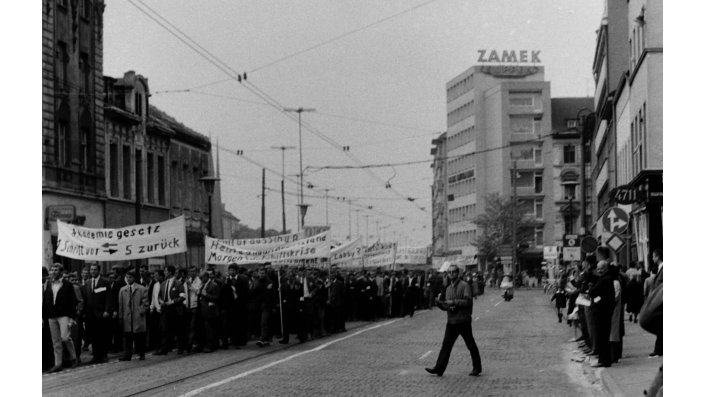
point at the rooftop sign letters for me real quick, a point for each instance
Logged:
(508, 56)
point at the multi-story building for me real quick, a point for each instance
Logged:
(639, 127)
(439, 194)
(498, 116)
(73, 176)
(610, 61)
(627, 142)
(571, 167)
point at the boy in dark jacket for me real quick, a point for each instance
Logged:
(560, 296)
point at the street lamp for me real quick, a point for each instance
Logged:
(301, 166)
(283, 149)
(209, 185)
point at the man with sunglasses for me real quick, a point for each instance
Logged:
(458, 304)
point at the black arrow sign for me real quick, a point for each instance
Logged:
(106, 245)
(110, 251)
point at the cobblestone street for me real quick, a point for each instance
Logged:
(525, 352)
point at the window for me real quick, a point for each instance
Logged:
(114, 187)
(521, 102)
(568, 154)
(569, 191)
(538, 235)
(174, 198)
(185, 186)
(62, 146)
(572, 123)
(85, 70)
(538, 160)
(521, 125)
(139, 194)
(62, 57)
(538, 209)
(84, 154)
(538, 183)
(126, 174)
(523, 179)
(150, 177)
(161, 180)
(138, 103)
(86, 9)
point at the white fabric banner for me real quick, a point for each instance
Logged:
(411, 255)
(126, 243)
(286, 247)
(347, 255)
(381, 255)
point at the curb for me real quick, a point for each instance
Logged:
(609, 384)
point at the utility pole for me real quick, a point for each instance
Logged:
(514, 218)
(367, 228)
(262, 224)
(350, 219)
(357, 221)
(327, 190)
(283, 149)
(301, 166)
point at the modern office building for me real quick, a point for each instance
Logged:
(498, 122)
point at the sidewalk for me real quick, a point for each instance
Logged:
(636, 370)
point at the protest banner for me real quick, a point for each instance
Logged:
(288, 247)
(380, 255)
(348, 255)
(411, 255)
(126, 243)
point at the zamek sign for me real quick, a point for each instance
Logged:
(130, 242)
(508, 56)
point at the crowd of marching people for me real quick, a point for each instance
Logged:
(600, 294)
(191, 310)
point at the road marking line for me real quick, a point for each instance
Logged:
(497, 303)
(262, 368)
(425, 354)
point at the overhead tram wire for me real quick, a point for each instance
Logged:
(336, 38)
(251, 87)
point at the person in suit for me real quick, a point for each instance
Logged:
(117, 281)
(263, 290)
(192, 284)
(291, 292)
(397, 288)
(242, 291)
(59, 308)
(603, 300)
(97, 304)
(77, 326)
(228, 299)
(133, 304)
(208, 312)
(411, 295)
(336, 299)
(171, 298)
(148, 282)
(458, 303)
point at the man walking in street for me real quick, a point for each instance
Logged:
(458, 304)
(171, 299)
(97, 312)
(59, 307)
(133, 303)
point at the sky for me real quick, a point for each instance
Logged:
(375, 73)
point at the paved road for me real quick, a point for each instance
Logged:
(524, 353)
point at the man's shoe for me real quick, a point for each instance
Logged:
(475, 372)
(260, 343)
(207, 350)
(141, 357)
(180, 352)
(74, 363)
(125, 358)
(54, 369)
(284, 341)
(97, 361)
(160, 352)
(434, 371)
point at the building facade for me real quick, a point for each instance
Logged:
(571, 167)
(498, 123)
(73, 159)
(627, 143)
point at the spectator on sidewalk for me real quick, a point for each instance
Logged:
(655, 309)
(634, 296)
(602, 293)
(617, 323)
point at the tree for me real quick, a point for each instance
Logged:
(495, 225)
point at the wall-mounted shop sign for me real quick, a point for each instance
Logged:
(508, 56)
(65, 212)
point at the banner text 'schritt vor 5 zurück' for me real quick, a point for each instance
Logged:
(287, 247)
(126, 243)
